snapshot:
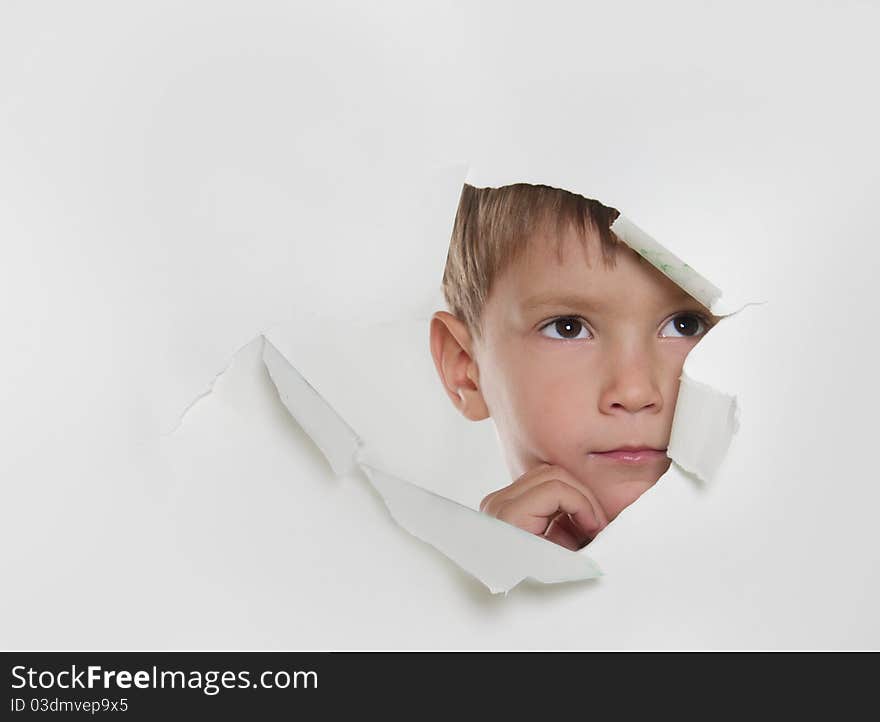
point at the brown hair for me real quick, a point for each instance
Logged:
(493, 227)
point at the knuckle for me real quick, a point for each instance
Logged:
(505, 513)
(559, 474)
(494, 501)
(558, 485)
(488, 508)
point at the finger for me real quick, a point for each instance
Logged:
(564, 532)
(526, 481)
(535, 477)
(564, 526)
(532, 510)
(532, 478)
(570, 525)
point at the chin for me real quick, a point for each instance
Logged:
(664, 467)
(621, 495)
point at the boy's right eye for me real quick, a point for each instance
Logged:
(567, 328)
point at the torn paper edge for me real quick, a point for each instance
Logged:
(704, 423)
(667, 263)
(498, 554)
(339, 443)
(209, 389)
(703, 428)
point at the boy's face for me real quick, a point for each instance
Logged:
(577, 360)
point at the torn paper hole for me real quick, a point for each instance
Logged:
(498, 554)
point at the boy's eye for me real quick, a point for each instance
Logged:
(566, 328)
(685, 325)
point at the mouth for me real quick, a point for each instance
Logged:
(631, 455)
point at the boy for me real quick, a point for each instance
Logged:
(576, 361)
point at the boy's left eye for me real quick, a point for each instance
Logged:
(685, 325)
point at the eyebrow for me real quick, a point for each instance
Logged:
(576, 301)
(569, 300)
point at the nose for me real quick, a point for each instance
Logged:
(631, 385)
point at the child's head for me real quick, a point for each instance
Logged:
(570, 341)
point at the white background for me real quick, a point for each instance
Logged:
(175, 179)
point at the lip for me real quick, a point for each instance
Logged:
(631, 455)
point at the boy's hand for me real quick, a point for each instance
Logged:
(550, 502)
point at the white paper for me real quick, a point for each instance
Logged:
(161, 209)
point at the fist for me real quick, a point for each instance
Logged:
(550, 502)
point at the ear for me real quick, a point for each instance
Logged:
(452, 349)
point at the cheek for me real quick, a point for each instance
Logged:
(551, 405)
(672, 361)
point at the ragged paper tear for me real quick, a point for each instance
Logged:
(498, 554)
(368, 396)
(335, 438)
(702, 429)
(667, 263)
